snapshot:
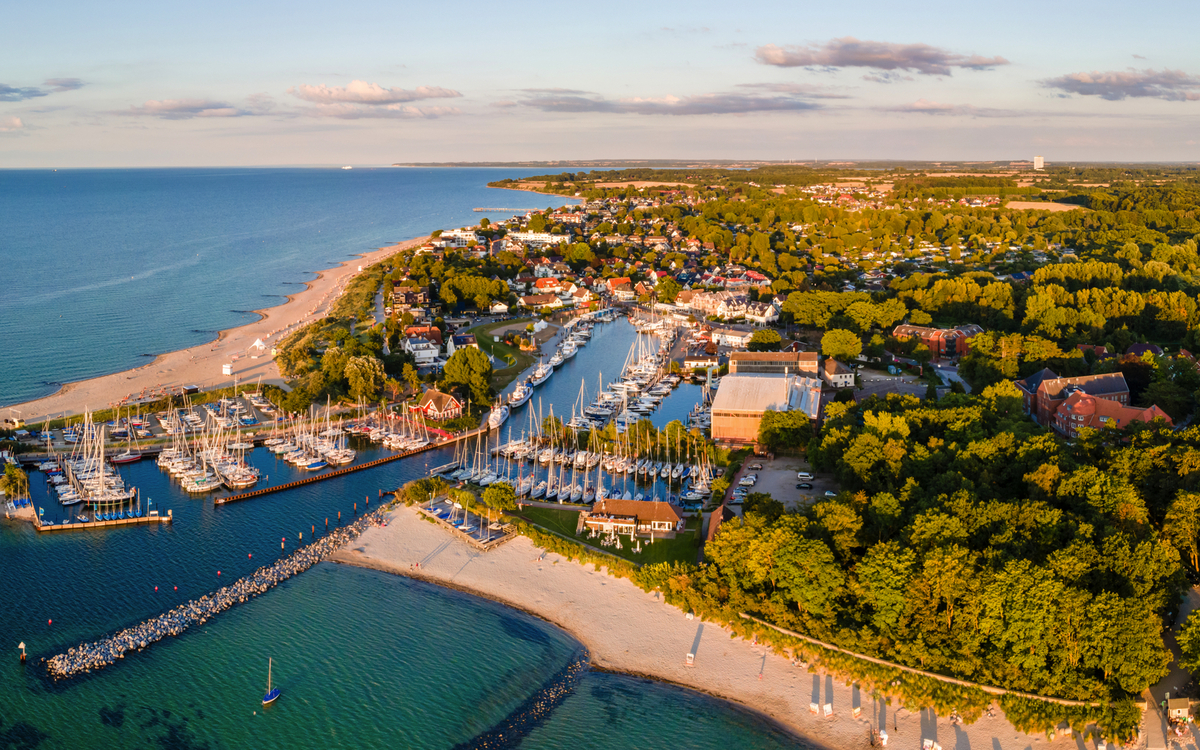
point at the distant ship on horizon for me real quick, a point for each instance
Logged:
(347, 167)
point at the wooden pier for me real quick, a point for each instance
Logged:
(152, 517)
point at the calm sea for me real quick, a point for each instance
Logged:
(364, 659)
(103, 268)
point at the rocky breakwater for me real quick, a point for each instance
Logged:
(88, 656)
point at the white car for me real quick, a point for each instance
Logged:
(748, 481)
(804, 476)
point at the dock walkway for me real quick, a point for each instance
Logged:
(346, 469)
(152, 517)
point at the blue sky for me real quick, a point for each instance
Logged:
(224, 83)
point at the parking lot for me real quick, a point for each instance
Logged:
(777, 478)
(881, 384)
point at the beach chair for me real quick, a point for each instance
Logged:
(926, 744)
(828, 710)
(691, 660)
(814, 708)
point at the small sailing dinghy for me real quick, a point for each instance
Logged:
(272, 693)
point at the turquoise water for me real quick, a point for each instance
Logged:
(105, 268)
(364, 660)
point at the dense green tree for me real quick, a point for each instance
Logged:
(667, 290)
(470, 368)
(365, 376)
(841, 345)
(500, 496)
(765, 340)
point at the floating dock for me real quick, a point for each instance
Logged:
(152, 517)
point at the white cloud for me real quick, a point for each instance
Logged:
(391, 111)
(11, 124)
(361, 92)
(187, 109)
(1114, 85)
(849, 52)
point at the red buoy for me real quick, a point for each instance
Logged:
(248, 556)
(156, 588)
(218, 574)
(49, 622)
(176, 588)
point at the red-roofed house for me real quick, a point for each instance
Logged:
(1083, 410)
(440, 406)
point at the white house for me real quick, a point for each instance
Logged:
(761, 313)
(837, 374)
(731, 338)
(498, 308)
(425, 352)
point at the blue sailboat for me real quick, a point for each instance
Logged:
(272, 693)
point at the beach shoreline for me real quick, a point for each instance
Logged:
(201, 364)
(631, 632)
(359, 560)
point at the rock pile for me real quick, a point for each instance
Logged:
(88, 656)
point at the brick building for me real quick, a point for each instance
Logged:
(943, 342)
(1044, 391)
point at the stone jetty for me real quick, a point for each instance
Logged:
(88, 656)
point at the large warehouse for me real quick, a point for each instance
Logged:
(742, 400)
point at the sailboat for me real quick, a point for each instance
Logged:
(272, 693)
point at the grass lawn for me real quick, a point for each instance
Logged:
(682, 548)
(517, 359)
(560, 521)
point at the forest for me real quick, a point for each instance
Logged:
(969, 542)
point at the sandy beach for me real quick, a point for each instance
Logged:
(629, 630)
(200, 365)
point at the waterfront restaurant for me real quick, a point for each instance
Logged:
(624, 516)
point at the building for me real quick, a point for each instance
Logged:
(432, 334)
(537, 238)
(731, 338)
(1044, 391)
(1083, 410)
(772, 363)
(439, 406)
(541, 301)
(1039, 163)
(424, 351)
(460, 341)
(498, 308)
(701, 362)
(837, 374)
(761, 313)
(1178, 708)
(625, 517)
(459, 238)
(942, 342)
(742, 400)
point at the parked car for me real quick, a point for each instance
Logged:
(755, 467)
(804, 486)
(748, 481)
(804, 476)
(830, 493)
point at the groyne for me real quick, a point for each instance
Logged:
(89, 656)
